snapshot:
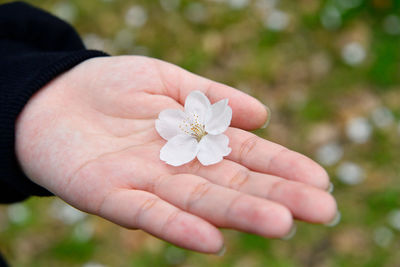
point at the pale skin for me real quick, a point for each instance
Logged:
(88, 136)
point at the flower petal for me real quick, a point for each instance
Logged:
(179, 150)
(167, 124)
(219, 118)
(212, 148)
(197, 104)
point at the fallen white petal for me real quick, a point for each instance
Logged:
(197, 103)
(167, 124)
(179, 150)
(219, 117)
(212, 149)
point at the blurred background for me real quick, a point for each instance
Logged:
(329, 71)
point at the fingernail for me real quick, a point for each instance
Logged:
(268, 117)
(330, 188)
(221, 252)
(291, 233)
(335, 221)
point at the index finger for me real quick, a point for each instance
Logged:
(248, 112)
(263, 156)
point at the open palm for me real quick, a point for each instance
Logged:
(89, 137)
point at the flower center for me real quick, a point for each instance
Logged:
(191, 126)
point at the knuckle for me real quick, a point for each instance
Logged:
(241, 177)
(276, 156)
(246, 147)
(274, 188)
(231, 210)
(146, 205)
(100, 207)
(197, 193)
(169, 221)
(194, 166)
(155, 183)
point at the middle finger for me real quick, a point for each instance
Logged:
(301, 199)
(222, 206)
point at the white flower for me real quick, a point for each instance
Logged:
(196, 131)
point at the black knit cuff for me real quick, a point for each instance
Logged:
(14, 185)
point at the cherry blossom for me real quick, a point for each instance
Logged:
(196, 131)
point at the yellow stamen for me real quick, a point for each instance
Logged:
(193, 128)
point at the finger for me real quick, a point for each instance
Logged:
(138, 209)
(306, 203)
(179, 83)
(223, 207)
(264, 156)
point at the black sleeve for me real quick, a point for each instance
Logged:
(35, 47)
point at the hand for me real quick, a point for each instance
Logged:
(89, 137)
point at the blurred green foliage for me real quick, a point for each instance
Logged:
(317, 64)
